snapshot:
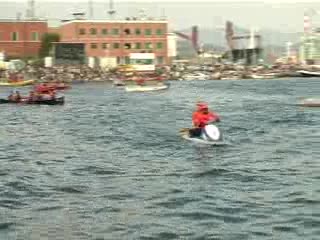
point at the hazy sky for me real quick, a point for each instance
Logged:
(210, 1)
(282, 15)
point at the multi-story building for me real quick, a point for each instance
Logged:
(310, 48)
(21, 38)
(116, 39)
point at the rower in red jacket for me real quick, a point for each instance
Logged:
(201, 117)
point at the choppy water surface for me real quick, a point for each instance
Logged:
(111, 165)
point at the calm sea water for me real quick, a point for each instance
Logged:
(111, 165)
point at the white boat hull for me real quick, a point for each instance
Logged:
(201, 141)
(210, 135)
(305, 73)
(310, 102)
(137, 88)
(263, 76)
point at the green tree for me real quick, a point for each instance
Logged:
(46, 43)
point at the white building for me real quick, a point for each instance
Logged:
(172, 45)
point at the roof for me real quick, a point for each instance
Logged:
(21, 20)
(113, 21)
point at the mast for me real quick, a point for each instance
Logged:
(111, 11)
(30, 14)
(90, 6)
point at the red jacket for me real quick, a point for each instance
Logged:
(200, 119)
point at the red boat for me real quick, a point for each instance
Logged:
(48, 87)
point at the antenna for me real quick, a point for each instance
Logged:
(90, 6)
(30, 11)
(111, 11)
(163, 14)
(142, 14)
(18, 16)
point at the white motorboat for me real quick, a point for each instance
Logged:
(310, 102)
(146, 88)
(306, 73)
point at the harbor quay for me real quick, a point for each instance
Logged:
(86, 49)
(183, 72)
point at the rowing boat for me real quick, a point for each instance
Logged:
(18, 83)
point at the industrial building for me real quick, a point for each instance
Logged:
(86, 40)
(115, 40)
(310, 43)
(310, 49)
(21, 38)
(246, 49)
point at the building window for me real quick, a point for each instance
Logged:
(34, 36)
(127, 45)
(94, 46)
(159, 32)
(82, 31)
(159, 60)
(118, 60)
(147, 32)
(116, 45)
(121, 60)
(115, 31)
(148, 45)
(127, 60)
(93, 31)
(159, 45)
(105, 45)
(104, 31)
(14, 36)
(127, 31)
(137, 45)
(142, 61)
(138, 31)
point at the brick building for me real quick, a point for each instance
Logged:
(21, 38)
(116, 39)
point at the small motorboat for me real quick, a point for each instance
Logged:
(310, 102)
(305, 73)
(264, 76)
(17, 83)
(56, 101)
(210, 135)
(118, 83)
(195, 76)
(146, 88)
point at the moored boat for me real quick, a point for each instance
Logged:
(264, 76)
(118, 83)
(305, 73)
(56, 101)
(18, 83)
(310, 102)
(146, 88)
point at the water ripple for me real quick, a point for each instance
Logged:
(111, 165)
